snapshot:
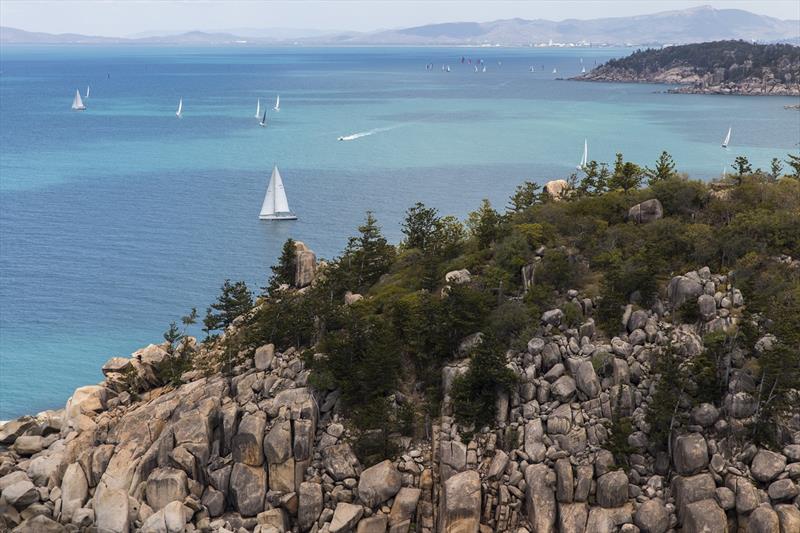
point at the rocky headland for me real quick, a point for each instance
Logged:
(251, 443)
(731, 67)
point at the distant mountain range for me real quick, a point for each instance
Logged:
(697, 24)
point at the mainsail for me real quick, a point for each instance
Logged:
(727, 139)
(275, 206)
(77, 103)
(278, 103)
(585, 158)
(258, 108)
(87, 91)
(179, 112)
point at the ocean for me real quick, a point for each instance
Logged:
(116, 220)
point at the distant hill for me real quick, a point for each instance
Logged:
(670, 27)
(721, 67)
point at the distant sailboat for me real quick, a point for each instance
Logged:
(277, 103)
(448, 68)
(276, 206)
(179, 112)
(555, 71)
(258, 108)
(87, 92)
(77, 103)
(263, 119)
(583, 70)
(484, 68)
(727, 139)
(585, 158)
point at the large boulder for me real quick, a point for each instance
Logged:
(682, 289)
(405, 505)
(9, 431)
(557, 189)
(563, 389)
(21, 494)
(345, 517)
(165, 485)
(39, 524)
(310, 503)
(458, 277)
(586, 380)
(340, 461)
(612, 489)
(460, 503)
(565, 481)
(573, 517)
(247, 444)
(646, 211)
(305, 265)
(652, 517)
(74, 491)
(767, 465)
(763, 520)
(111, 509)
(687, 490)
(789, 517)
(84, 402)
(379, 483)
(248, 487)
(278, 450)
(704, 516)
(264, 356)
(690, 454)
(540, 499)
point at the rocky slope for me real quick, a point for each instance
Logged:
(725, 67)
(257, 449)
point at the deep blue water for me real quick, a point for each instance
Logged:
(116, 220)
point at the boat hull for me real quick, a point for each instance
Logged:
(277, 217)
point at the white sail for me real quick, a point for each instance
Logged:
(278, 103)
(585, 158)
(555, 71)
(276, 205)
(77, 103)
(87, 91)
(258, 108)
(179, 112)
(583, 70)
(727, 139)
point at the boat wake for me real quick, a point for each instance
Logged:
(354, 136)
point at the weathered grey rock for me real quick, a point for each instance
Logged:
(340, 461)
(747, 497)
(563, 389)
(345, 517)
(726, 498)
(540, 501)
(310, 503)
(248, 486)
(28, 445)
(305, 265)
(789, 517)
(14, 428)
(13, 477)
(264, 356)
(564, 481)
(39, 524)
(586, 380)
(534, 433)
(214, 500)
(275, 518)
(682, 289)
(498, 464)
(553, 317)
(405, 505)
(767, 465)
(278, 450)
(74, 491)
(116, 365)
(21, 494)
(176, 515)
(783, 489)
(692, 489)
(152, 354)
(707, 306)
(646, 211)
(740, 404)
(83, 517)
(612, 489)
(111, 509)
(373, 524)
(583, 482)
(763, 520)
(557, 189)
(458, 277)
(705, 415)
(460, 503)
(379, 483)
(690, 454)
(652, 517)
(572, 517)
(248, 443)
(704, 516)
(165, 485)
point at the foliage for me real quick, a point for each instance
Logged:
(794, 163)
(775, 168)
(526, 195)
(284, 271)
(484, 224)
(626, 176)
(235, 300)
(664, 169)
(664, 412)
(742, 166)
(367, 256)
(595, 179)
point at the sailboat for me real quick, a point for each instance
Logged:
(276, 206)
(179, 112)
(484, 68)
(258, 108)
(87, 92)
(277, 103)
(77, 103)
(583, 70)
(727, 139)
(263, 119)
(555, 71)
(585, 158)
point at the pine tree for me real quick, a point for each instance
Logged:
(742, 166)
(775, 168)
(484, 224)
(794, 162)
(420, 227)
(526, 195)
(664, 169)
(283, 272)
(367, 256)
(627, 176)
(595, 179)
(235, 300)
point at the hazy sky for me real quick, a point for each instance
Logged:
(125, 17)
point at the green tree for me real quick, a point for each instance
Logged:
(235, 300)
(775, 168)
(794, 162)
(526, 195)
(367, 256)
(742, 166)
(595, 179)
(664, 412)
(283, 272)
(484, 224)
(663, 170)
(627, 176)
(420, 227)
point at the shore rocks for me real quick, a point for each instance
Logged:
(379, 483)
(646, 211)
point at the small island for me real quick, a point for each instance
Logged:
(720, 67)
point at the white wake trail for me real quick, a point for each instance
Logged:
(354, 136)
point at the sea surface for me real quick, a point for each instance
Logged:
(116, 220)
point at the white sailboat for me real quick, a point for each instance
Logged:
(555, 71)
(277, 103)
(583, 70)
(276, 206)
(727, 139)
(585, 158)
(87, 91)
(179, 112)
(77, 103)
(258, 108)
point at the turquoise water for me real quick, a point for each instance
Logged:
(116, 220)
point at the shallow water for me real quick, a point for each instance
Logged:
(116, 220)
